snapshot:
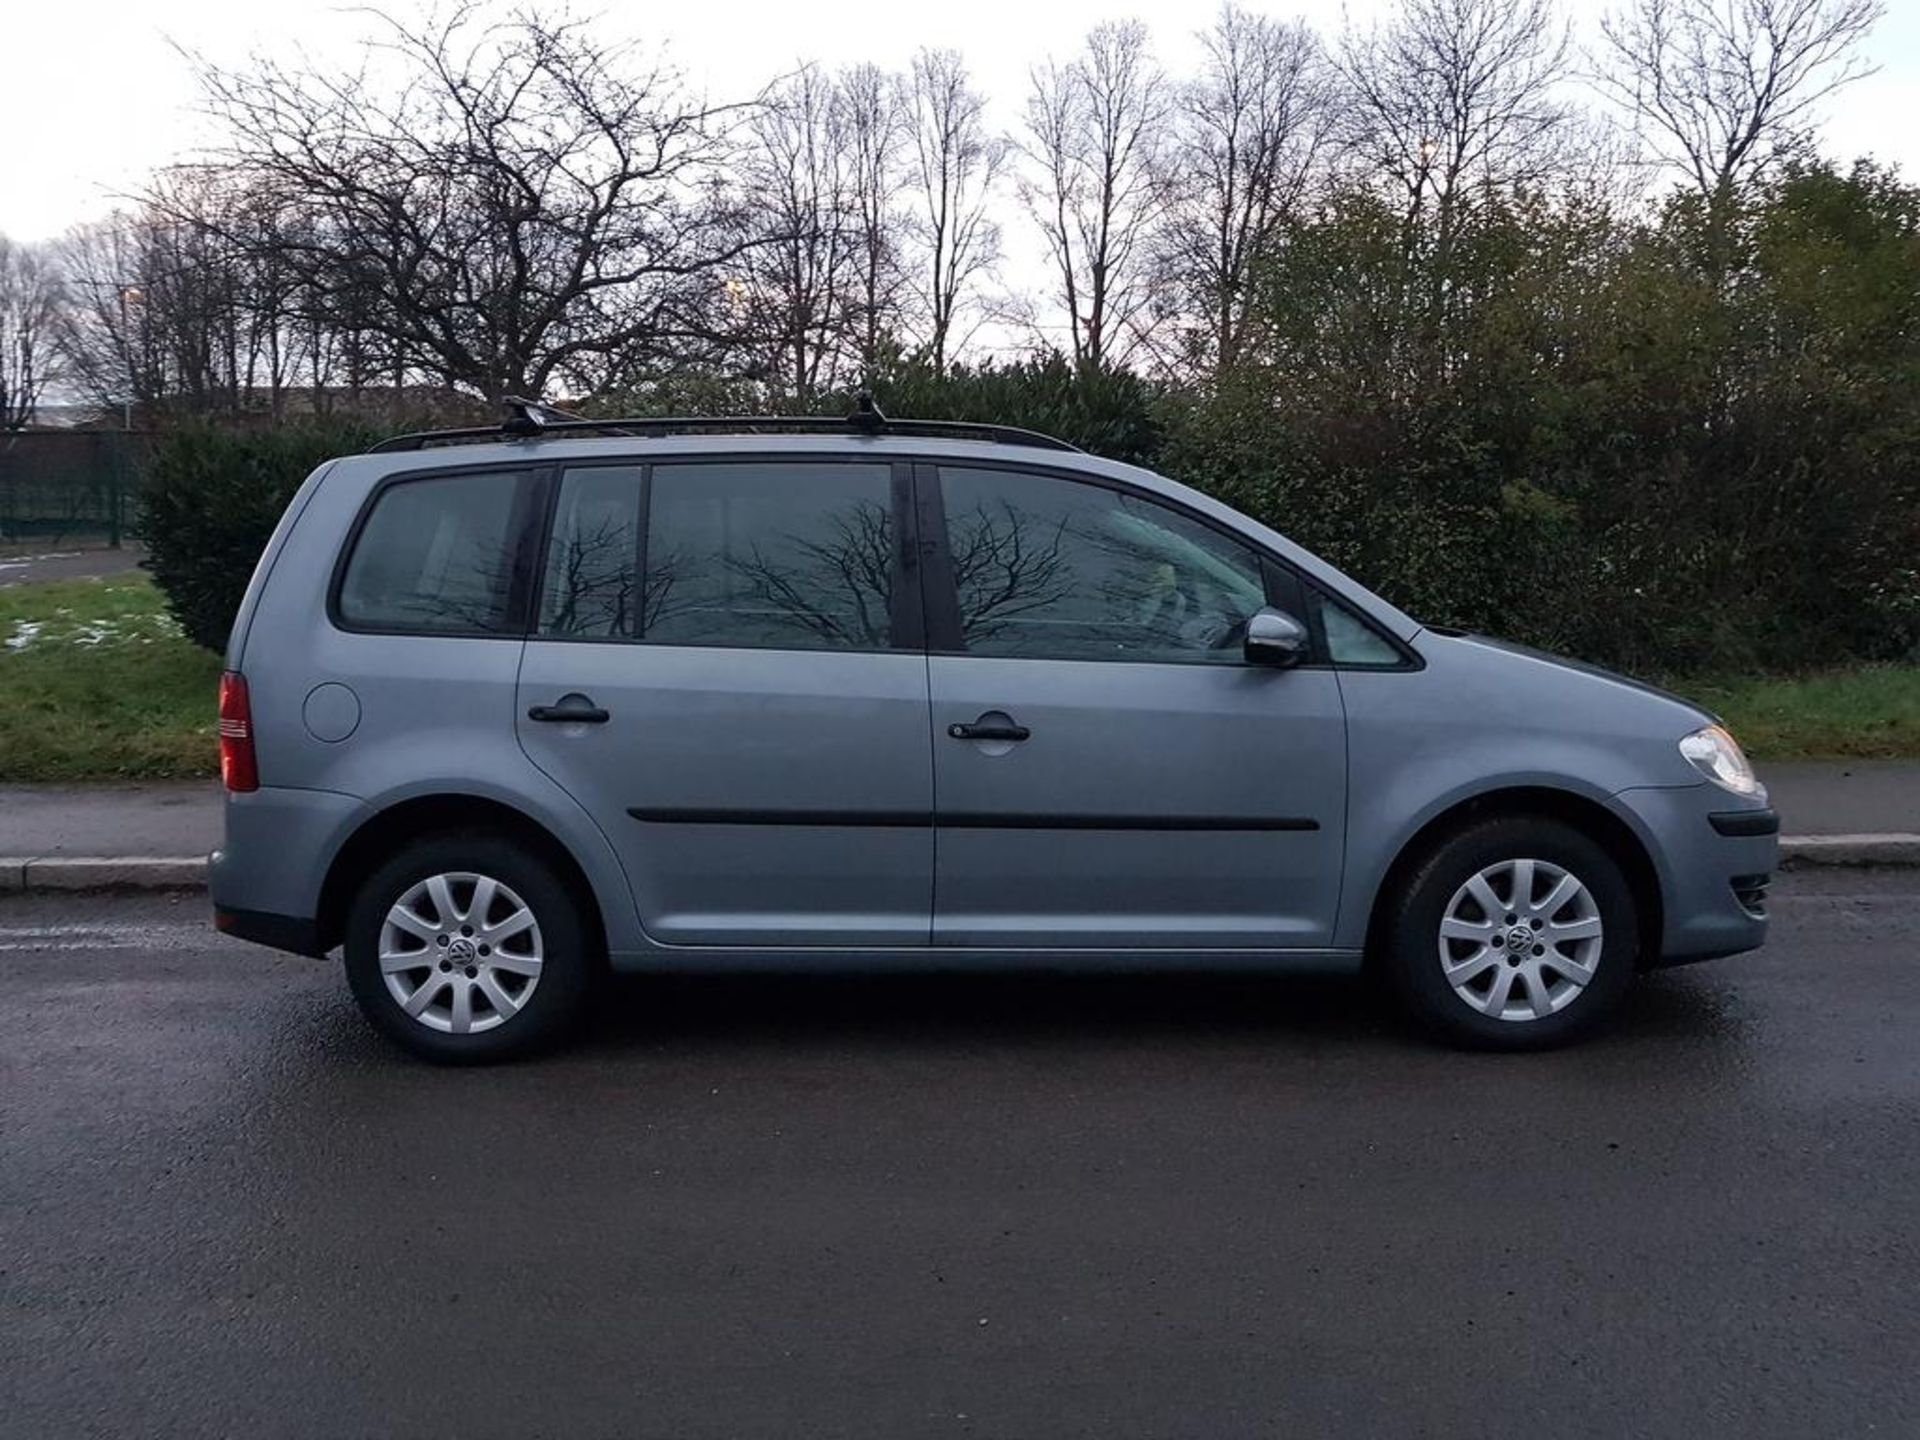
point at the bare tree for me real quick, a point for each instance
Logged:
(800, 276)
(1728, 85)
(874, 118)
(185, 303)
(526, 203)
(218, 304)
(1452, 106)
(956, 160)
(1454, 97)
(1250, 131)
(1094, 134)
(103, 329)
(29, 308)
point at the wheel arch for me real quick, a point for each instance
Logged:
(1587, 815)
(383, 832)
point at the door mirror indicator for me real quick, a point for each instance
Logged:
(1274, 638)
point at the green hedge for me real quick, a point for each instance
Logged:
(210, 501)
(1683, 444)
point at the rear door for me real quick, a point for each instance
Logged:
(727, 671)
(1110, 773)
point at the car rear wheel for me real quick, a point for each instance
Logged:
(467, 949)
(1513, 934)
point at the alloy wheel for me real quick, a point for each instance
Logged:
(460, 953)
(1520, 940)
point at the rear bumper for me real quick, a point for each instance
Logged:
(293, 933)
(1713, 855)
(265, 881)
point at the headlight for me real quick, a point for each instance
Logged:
(1716, 755)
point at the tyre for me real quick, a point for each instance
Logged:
(1512, 934)
(468, 948)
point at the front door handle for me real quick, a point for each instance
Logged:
(575, 709)
(985, 729)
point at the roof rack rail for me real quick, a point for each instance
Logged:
(531, 419)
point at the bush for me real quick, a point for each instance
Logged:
(1584, 435)
(209, 503)
(1107, 411)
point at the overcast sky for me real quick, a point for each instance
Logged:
(94, 93)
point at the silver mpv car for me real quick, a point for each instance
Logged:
(505, 709)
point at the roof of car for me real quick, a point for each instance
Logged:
(548, 447)
(529, 419)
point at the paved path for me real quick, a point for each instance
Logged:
(72, 560)
(1854, 797)
(988, 1207)
(177, 818)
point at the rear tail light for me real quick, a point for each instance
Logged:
(238, 769)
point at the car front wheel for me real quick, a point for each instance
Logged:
(1513, 934)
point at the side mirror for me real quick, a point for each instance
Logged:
(1274, 638)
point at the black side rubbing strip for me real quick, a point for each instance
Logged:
(963, 820)
(694, 815)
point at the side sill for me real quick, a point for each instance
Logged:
(945, 960)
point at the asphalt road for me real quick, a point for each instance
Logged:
(22, 563)
(922, 1207)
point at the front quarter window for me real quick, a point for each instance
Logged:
(1352, 642)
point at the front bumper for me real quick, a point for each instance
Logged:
(1713, 855)
(1738, 823)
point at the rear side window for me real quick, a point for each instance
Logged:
(588, 588)
(782, 555)
(436, 554)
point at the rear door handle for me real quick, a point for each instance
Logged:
(989, 730)
(570, 710)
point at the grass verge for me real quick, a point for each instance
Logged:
(1871, 713)
(97, 683)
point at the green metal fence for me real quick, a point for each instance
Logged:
(57, 484)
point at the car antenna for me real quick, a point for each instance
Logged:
(866, 415)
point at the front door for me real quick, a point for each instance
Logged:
(1109, 772)
(727, 673)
